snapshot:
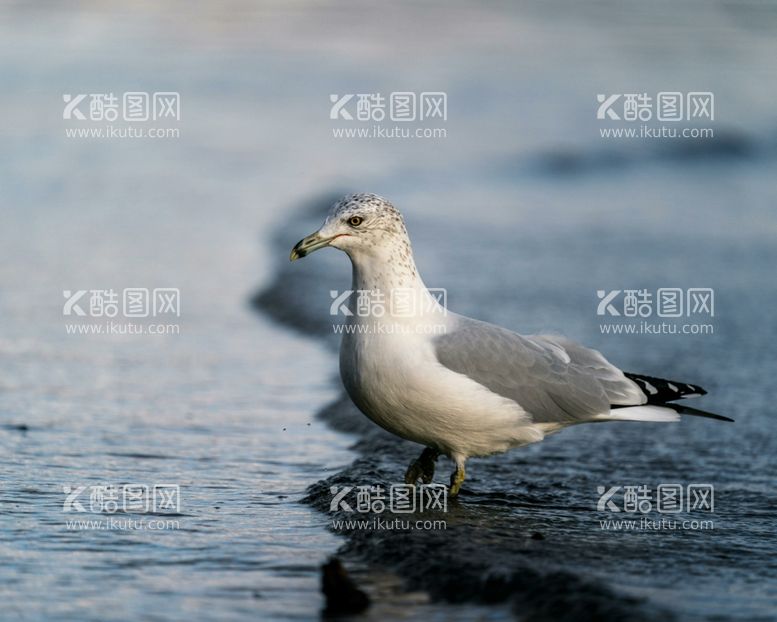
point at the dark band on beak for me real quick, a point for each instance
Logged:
(309, 244)
(297, 252)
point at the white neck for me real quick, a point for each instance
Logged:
(391, 271)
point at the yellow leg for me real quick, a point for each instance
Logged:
(457, 479)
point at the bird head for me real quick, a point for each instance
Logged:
(358, 224)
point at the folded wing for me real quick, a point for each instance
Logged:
(552, 378)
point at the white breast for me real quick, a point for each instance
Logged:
(394, 378)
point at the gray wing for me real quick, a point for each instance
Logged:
(552, 378)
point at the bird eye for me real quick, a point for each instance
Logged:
(355, 221)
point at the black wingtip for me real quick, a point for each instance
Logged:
(687, 410)
(660, 391)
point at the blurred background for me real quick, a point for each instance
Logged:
(521, 205)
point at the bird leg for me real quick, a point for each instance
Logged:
(457, 479)
(422, 467)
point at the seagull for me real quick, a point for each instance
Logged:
(459, 386)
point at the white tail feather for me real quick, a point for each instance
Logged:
(641, 413)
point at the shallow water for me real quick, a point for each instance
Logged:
(230, 409)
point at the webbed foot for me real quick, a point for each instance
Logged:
(422, 467)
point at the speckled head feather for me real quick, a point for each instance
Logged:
(377, 212)
(373, 234)
(379, 245)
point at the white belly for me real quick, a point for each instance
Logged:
(396, 381)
